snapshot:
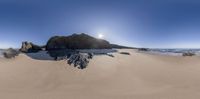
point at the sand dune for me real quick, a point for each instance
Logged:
(135, 76)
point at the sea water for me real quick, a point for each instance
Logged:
(174, 52)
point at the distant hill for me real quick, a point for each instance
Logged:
(121, 47)
(77, 41)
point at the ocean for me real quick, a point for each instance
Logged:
(174, 52)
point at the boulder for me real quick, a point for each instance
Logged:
(28, 47)
(10, 53)
(79, 59)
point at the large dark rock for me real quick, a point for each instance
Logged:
(76, 41)
(10, 53)
(28, 47)
(79, 59)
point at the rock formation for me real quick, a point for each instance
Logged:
(28, 47)
(74, 57)
(10, 53)
(79, 59)
(76, 41)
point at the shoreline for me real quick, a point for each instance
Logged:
(172, 52)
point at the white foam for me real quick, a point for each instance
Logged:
(173, 52)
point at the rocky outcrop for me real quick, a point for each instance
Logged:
(74, 57)
(10, 53)
(28, 47)
(76, 41)
(188, 54)
(79, 60)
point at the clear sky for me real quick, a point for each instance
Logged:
(139, 23)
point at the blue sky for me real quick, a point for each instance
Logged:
(139, 23)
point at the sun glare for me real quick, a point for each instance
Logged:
(100, 36)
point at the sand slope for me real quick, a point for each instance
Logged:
(138, 76)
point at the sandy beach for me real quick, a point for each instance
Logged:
(135, 76)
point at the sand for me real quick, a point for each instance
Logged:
(135, 76)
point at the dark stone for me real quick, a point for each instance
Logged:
(10, 53)
(90, 55)
(28, 47)
(79, 60)
(125, 53)
(76, 41)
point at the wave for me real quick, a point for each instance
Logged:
(175, 52)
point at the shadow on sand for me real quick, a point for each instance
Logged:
(41, 55)
(78, 58)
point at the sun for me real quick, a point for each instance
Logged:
(100, 36)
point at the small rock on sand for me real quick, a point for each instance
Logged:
(125, 53)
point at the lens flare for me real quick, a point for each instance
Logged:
(100, 36)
